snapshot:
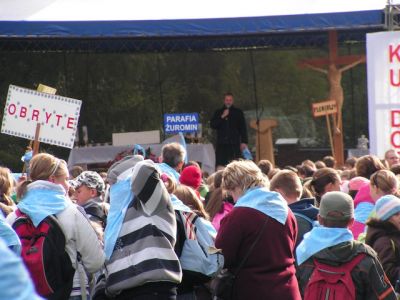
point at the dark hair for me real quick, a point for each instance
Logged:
(75, 171)
(218, 179)
(228, 94)
(329, 161)
(306, 171)
(265, 166)
(395, 169)
(321, 179)
(367, 165)
(214, 204)
(351, 161)
(291, 168)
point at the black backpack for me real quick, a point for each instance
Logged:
(97, 214)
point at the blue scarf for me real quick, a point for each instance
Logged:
(363, 211)
(120, 196)
(43, 199)
(269, 203)
(320, 238)
(169, 171)
(9, 236)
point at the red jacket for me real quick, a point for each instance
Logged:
(269, 273)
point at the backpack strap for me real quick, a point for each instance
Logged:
(96, 211)
(180, 233)
(348, 266)
(82, 277)
(19, 213)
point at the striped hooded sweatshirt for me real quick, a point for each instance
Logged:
(144, 251)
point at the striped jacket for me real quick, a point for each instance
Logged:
(144, 250)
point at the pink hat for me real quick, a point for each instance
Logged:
(357, 182)
(191, 176)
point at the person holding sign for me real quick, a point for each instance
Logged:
(231, 131)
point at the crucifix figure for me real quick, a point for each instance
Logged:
(336, 65)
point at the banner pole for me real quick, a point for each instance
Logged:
(36, 142)
(328, 124)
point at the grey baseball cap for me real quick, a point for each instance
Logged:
(336, 206)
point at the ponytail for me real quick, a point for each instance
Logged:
(22, 189)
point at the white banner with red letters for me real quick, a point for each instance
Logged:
(57, 115)
(383, 67)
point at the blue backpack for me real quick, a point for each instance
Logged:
(197, 252)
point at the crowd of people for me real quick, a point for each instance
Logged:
(165, 230)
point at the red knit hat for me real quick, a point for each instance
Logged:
(191, 176)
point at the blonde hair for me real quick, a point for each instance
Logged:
(42, 166)
(188, 196)
(6, 186)
(169, 183)
(243, 174)
(287, 182)
(385, 181)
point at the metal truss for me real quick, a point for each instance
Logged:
(278, 40)
(392, 17)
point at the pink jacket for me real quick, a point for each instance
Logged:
(362, 212)
(225, 209)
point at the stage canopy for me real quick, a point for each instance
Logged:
(175, 25)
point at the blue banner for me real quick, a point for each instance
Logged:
(186, 122)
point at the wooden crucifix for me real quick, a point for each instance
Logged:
(333, 67)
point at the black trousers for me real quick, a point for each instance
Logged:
(225, 153)
(150, 291)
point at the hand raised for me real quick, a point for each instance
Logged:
(225, 113)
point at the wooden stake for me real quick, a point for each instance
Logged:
(328, 124)
(36, 142)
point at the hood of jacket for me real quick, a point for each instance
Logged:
(342, 253)
(378, 229)
(305, 207)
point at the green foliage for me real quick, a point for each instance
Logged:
(129, 92)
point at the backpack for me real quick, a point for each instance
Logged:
(43, 253)
(97, 214)
(195, 246)
(304, 224)
(332, 282)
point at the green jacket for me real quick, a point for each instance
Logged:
(368, 276)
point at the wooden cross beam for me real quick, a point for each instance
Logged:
(333, 66)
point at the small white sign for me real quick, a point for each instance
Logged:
(324, 108)
(57, 115)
